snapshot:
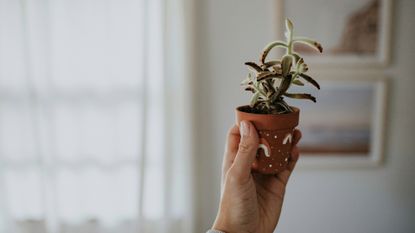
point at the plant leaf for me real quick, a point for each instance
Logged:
(264, 87)
(247, 80)
(298, 82)
(289, 27)
(270, 89)
(296, 56)
(270, 63)
(285, 106)
(277, 70)
(269, 75)
(286, 64)
(254, 99)
(250, 88)
(301, 66)
(284, 85)
(258, 103)
(310, 80)
(263, 73)
(310, 42)
(300, 96)
(270, 46)
(253, 66)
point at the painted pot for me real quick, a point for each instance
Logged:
(275, 133)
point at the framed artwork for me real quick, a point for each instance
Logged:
(345, 128)
(353, 33)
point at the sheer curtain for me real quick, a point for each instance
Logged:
(95, 116)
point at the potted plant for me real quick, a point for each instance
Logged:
(275, 120)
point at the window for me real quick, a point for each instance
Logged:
(83, 135)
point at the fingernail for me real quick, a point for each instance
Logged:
(244, 128)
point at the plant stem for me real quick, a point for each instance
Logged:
(289, 48)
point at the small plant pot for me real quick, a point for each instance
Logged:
(275, 133)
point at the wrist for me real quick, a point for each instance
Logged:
(214, 231)
(220, 225)
(219, 229)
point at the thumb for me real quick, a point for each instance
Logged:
(247, 151)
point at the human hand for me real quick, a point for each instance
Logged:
(250, 202)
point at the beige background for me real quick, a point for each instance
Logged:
(378, 200)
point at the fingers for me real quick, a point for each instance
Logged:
(241, 149)
(248, 146)
(231, 148)
(294, 156)
(297, 136)
(285, 175)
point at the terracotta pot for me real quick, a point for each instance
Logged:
(275, 133)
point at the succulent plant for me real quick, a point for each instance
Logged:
(269, 80)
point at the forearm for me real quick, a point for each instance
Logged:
(214, 231)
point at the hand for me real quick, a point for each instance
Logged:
(250, 202)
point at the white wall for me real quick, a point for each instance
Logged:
(375, 200)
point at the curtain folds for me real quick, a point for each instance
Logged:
(95, 116)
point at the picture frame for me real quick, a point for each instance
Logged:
(346, 127)
(330, 23)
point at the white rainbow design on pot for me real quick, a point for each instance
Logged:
(265, 148)
(288, 138)
(264, 145)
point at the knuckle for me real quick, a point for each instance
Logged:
(230, 131)
(281, 194)
(244, 147)
(232, 177)
(247, 146)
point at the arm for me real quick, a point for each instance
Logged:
(250, 202)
